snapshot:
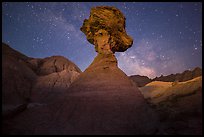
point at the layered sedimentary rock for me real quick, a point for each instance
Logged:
(17, 81)
(106, 101)
(55, 74)
(102, 100)
(179, 105)
(26, 80)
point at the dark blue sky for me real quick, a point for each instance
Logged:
(167, 36)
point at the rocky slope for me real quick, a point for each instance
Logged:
(26, 80)
(158, 91)
(38, 99)
(179, 105)
(103, 100)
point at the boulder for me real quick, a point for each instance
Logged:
(108, 21)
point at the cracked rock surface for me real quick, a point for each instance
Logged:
(27, 80)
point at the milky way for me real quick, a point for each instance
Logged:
(167, 36)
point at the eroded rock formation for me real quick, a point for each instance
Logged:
(102, 100)
(29, 80)
(107, 24)
(179, 105)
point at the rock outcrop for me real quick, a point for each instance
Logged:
(55, 74)
(159, 91)
(108, 21)
(140, 81)
(26, 80)
(17, 80)
(179, 105)
(106, 101)
(102, 100)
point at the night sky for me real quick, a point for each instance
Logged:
(167, 36)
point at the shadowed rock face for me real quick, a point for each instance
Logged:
(140, 81)
(103, 100)
(106, 101)
(26, 80)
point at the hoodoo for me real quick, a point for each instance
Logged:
(102, 100)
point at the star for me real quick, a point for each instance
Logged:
(45, 25)
(161, 36)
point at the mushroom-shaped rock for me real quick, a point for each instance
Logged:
(105, 29)
(102, 100)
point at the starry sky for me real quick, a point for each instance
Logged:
(167, 36)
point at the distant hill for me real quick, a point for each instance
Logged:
(181, 77)
(141, 81)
